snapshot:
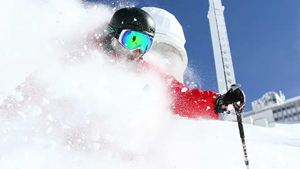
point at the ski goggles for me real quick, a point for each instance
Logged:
(135, 40)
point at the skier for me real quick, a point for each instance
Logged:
(130, 36)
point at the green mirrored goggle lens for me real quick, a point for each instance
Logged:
(135, 40)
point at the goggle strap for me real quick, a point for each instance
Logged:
(115, 32)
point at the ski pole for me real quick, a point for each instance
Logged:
(239, 110)
(242, 135)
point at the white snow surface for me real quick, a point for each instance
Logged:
(64, 106)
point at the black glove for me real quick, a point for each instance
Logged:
(235, 97)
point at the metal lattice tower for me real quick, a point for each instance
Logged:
(222, 54)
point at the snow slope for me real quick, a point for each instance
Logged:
(64, 106)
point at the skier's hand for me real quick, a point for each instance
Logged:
(236, 97)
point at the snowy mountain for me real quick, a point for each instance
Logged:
(63, 106)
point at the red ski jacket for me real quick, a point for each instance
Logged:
(191, 103)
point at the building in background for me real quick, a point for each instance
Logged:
(222, 54)
(272, 108)
(221, 49)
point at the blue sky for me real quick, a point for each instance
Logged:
(264, 37)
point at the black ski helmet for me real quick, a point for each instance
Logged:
(131, 18)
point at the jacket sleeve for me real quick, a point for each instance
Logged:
(186, 102)
(191, 103)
